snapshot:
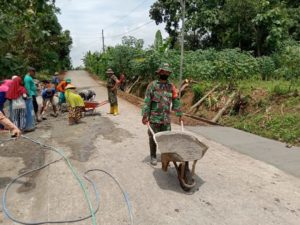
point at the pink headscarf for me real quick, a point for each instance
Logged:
(5, 86)
(16, 90)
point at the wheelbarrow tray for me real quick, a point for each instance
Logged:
(91, 105)
(180, 147)
(184, 145)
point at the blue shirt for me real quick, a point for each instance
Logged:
(55, 80)
(48, 94)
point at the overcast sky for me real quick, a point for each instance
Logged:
(86, 18)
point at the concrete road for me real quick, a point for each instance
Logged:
(233, 188)
(267, 150)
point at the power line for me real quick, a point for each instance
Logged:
(125, 16)
(92, 43)
(117, 35)
(135, 29)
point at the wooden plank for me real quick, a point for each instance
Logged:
(221, 112)
(202, 99)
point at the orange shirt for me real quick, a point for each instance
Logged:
(61, 87)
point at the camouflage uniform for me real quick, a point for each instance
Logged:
(112, 94)
(159, 99)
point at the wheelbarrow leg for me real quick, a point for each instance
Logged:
(184, 176)
(194, 167)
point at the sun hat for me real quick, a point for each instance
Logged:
(31, 68)
(70, 86)
(110, 71)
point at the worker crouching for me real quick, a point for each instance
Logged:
(75, 104)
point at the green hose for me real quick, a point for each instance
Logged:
(80, 181)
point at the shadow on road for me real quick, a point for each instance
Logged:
(168, 180)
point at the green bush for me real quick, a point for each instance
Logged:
(279, 90)
(229, 65)
(199, 91)
(267, 67)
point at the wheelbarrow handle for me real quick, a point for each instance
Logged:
(150, 128)
(152, 132)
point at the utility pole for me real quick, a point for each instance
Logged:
(182, 2)
(103, 47)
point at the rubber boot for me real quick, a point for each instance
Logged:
(116, 110)
(111, 110)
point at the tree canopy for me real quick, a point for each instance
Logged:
(252, 25)
(30, 34)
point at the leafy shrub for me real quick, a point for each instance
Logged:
(279, 90)
(288, 60)
(228, 65)
(267, 67)
(199, 91)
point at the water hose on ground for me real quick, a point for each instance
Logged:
(63, 157)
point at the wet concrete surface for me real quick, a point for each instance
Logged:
(80, 138)
(32, 156)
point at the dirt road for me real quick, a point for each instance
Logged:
(234, 189)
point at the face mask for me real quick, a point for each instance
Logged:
(163, 77)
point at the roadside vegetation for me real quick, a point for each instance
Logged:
(250, 49)
(30, 34)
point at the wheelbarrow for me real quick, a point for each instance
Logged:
(90, 106)
(180, 147)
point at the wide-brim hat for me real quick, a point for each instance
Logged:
(110, 71)
(31, 68)
(70, 86)
(164, 68)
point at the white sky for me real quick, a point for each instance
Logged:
(86, 18)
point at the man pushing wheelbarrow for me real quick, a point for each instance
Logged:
(161, 97)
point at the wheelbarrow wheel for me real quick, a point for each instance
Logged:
(185, 177)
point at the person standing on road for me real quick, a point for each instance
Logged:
(122, 80)
(161, 97)
(55, 79)
(4, 87)
(61, 90)
(17, 95)
(112, 86)
(32, 90)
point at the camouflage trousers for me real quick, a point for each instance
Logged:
(112, 97)
(156, 128)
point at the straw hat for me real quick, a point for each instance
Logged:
(110, 71)
(70, 86)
